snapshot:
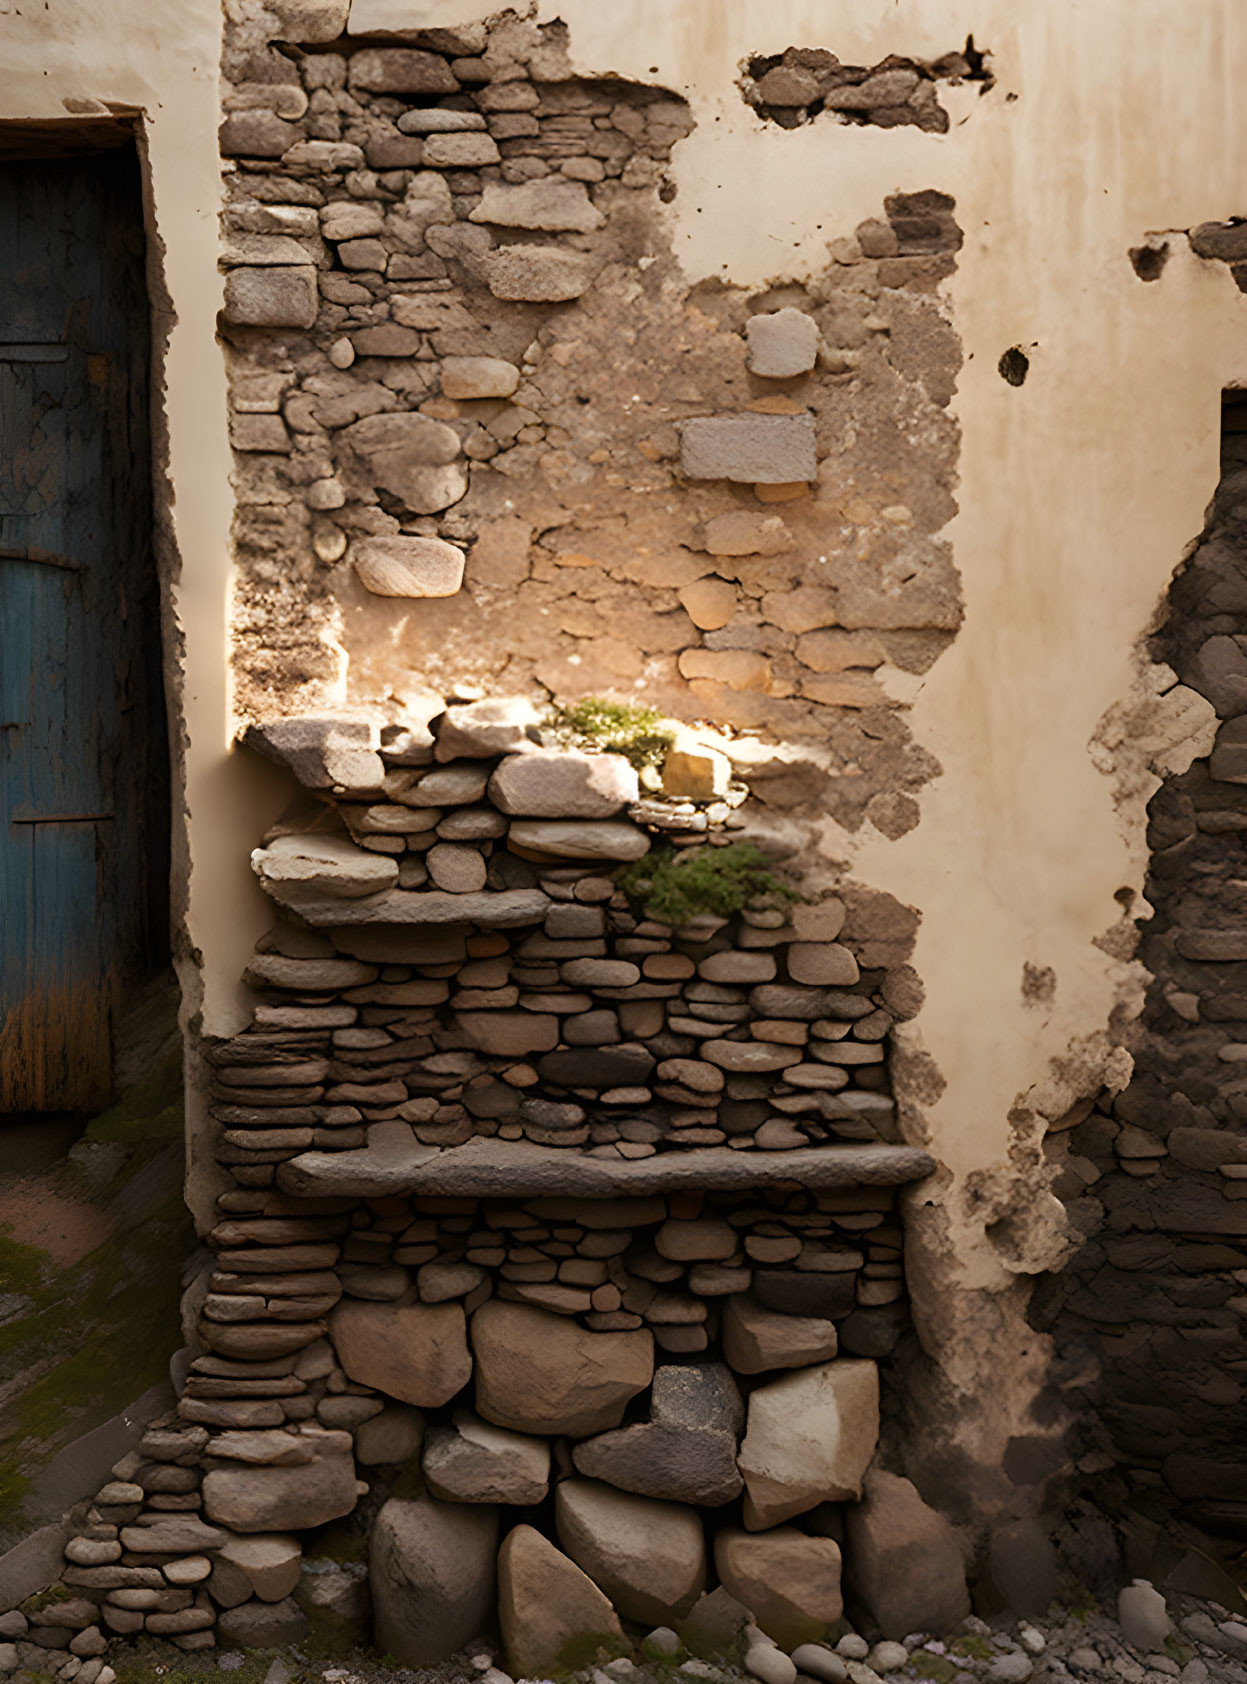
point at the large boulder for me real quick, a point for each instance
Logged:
(809, 1440)
(649, 1557)
(270, 1562)
(395, 1435)
(472, 1461)
(537, 1372)
(289, 1499)
(790, 1582)
(431, 1569)
(553, 1617)
(263, 1625)
(904, 1564)
(417, 1353)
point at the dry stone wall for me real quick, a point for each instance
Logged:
(467, 964)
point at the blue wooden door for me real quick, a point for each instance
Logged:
(81, 742)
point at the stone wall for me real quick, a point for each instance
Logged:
(1148, 1314)
(559, 1258)
(488, 440)
(468, 960)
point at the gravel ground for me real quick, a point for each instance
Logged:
(1207, 1645)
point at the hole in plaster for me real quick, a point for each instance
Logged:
(1148, 261)
(799, 84)
(1014, 366)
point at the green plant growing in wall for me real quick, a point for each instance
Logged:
(676, 886)
(640, 734)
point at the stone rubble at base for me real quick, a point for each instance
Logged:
(1207, 1646)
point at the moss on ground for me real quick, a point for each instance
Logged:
(146, 1118)
(99, 1333)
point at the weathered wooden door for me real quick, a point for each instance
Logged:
(82, 749)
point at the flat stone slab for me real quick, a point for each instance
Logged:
(488, 1167)
(500, 909)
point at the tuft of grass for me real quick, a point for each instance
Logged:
(1082, 1605)
(678, 885)
(640, 734)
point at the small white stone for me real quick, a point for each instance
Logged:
(853, 1647)
(663, 1641)
(782, 344)
(1142, 1615)
(1014, 1668)
(342, 353)
(1032, 1641)
(888, 1656)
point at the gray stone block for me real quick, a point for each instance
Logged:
(750, 448)
(272, 297)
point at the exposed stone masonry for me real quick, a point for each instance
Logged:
(793, 87)
(730, 498)
(643, 1335)
(1149, 1314)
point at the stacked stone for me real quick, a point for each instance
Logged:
(473, 969)
(792, 87)
(1156, 1177)
(497, 1344)
(137, 1562)
(507, 1348)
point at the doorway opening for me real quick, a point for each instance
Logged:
(84, 760)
